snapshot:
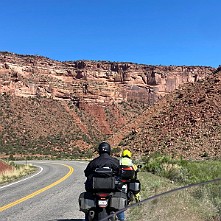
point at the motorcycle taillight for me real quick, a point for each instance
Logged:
(128, 168)
(102, 195)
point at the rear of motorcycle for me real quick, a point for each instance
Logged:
(130, 184)
(103, 201)
(103, 208)
(98, 206)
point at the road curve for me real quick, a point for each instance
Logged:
(49, 195)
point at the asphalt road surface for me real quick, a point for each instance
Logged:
(51, 194)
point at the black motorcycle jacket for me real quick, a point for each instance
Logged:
(104, 160)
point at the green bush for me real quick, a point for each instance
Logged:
(116, 150)
(166, 166)
(182, 171)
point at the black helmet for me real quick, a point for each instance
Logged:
(104, 147)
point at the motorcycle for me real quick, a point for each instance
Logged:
(105, 197)
(130, 184)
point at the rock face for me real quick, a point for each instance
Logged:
(90, 81)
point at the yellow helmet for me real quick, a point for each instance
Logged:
(126, 153)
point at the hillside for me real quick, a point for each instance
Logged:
(62, 109)
(184, 123)
(42, 126)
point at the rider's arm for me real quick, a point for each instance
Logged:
(89, 169)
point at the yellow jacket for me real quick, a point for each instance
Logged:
(127, 162)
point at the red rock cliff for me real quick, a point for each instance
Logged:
(92, 81)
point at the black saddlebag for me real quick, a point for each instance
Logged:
(118, 201)
(134, 186)
(86, 201)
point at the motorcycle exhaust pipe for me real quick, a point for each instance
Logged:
(91, 214)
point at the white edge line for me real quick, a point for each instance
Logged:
(41, 169)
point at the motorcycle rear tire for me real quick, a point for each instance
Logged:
(102, 214)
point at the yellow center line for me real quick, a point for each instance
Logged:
(71, 170)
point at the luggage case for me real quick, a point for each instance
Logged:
(86, 201)
(118, 201)
(134, 186)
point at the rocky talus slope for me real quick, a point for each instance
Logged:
(184, 123)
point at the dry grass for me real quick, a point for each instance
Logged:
(181, 205)
(16, 173)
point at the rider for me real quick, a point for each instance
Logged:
(127, 161)
(103, 160)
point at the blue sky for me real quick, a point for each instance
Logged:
(155, 32)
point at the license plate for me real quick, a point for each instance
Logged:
(102, 203)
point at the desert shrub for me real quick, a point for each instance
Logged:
(166, 166)
(88, 154)
(180, 170)
(115, 150)
(86, 139)
(126, 140)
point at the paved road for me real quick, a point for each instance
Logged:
(49, 195)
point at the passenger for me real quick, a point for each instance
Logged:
(126, 160)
